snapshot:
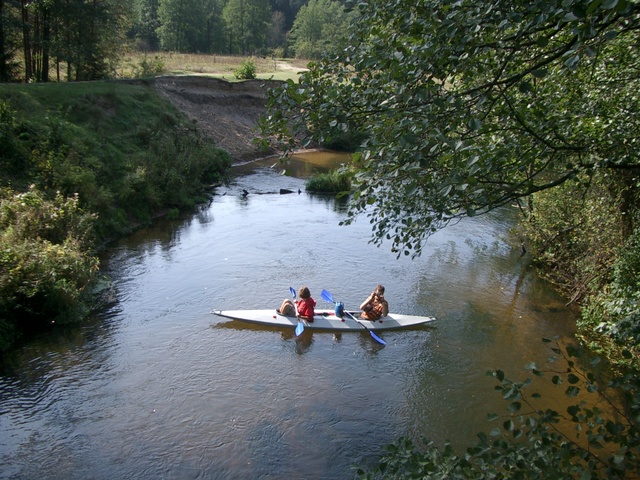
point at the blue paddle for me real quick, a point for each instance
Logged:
(300, 326)
(326, 295)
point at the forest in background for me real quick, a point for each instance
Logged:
(80, 40)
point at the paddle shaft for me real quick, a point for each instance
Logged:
(300, 326)
(378, 339)
(329, 297)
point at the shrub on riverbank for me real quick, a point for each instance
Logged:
(582, 234)
(332, 182)
(112, 155)
(44, 261)
(246, 70)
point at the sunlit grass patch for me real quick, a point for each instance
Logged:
(136, 64)
(332, 182)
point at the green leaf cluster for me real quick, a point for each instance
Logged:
(468, 106)
(246, 70)
(529, 442)
(44, 260)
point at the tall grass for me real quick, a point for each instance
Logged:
(221, 66)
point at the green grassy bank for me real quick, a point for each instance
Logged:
(125, 150)
(80, 164)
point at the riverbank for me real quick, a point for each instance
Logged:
(227, 112)
(119, 154)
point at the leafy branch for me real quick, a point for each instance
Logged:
(537, 443)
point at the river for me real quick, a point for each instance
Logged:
(155, 386)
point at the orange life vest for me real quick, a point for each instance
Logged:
(375, 312)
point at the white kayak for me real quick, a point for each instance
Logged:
(325, 320)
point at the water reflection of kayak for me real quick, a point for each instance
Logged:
(325, 320)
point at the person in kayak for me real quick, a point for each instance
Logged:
(303, 308)
(375, 306)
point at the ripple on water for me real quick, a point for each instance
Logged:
(159, 388)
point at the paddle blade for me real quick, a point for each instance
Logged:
(299, 329)
(326, 295)
(293, 292)
(377, 338)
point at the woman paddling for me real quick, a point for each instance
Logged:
(303, 308)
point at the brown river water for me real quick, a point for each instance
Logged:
(157, 387)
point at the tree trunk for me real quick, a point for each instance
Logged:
(46, 43)
(4, 56)
(626, 184)
(36, 45)
(26, 42)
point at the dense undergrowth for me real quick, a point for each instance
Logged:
(585, 236)
(81, 164)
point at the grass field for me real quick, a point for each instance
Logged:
(220, 66)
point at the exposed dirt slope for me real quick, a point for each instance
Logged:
(226, 111)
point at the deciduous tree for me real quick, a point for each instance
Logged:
(146, 23)
(190, 26)
(248, 25)
(471, 105)
(318, 28)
